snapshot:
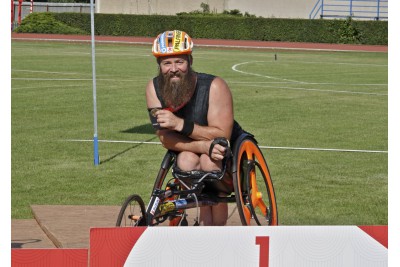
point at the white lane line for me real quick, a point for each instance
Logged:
(314, 83)
(316, 90)
(51, 79)
(73, 79)
(51, 72)
(340, 63)
(325, 149)
(45, 87)
(234, 68)
(262, 147)
(287, 48)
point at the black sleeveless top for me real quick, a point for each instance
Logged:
(197, 108)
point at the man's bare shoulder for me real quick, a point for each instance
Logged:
(150, 84)
(218, 81)
(219, 86)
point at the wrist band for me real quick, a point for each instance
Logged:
(187, 127)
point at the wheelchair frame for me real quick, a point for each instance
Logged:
(253, 192)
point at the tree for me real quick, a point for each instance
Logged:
(205, 7)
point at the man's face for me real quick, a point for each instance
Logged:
(176, 80)
(174, 66)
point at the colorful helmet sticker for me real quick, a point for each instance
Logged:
(178, 41)
(162, 44)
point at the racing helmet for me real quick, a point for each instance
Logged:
(171, 43)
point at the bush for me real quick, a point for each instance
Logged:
(46, 23)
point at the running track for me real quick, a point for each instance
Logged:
(204, 42)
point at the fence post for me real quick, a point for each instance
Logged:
(322, 8)
(378, 9)
(12, 14)
(19, 11)
(351, 8)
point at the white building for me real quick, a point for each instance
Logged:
(263, 8)
(303, 9)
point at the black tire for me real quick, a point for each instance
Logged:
(254, 191)
(132, 213)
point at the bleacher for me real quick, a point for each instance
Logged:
(356, 9)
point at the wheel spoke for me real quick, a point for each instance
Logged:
(247, 214)
(132, 212)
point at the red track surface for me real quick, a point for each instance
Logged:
(205, 42)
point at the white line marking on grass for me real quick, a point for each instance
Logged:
(312, 83)
(116, 141)
(71, 79)
(114, 79)
(343, 63)
(284, 48)
(316, 90)
(325, 149)
(262, 147)
(234, 68)
(50, 72)
(51, 79)
(45, 87)
(116, 54)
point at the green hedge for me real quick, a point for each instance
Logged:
(222, 27)
(46, 23)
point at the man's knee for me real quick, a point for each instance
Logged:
(206, 164)
(188, 161)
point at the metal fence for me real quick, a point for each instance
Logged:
(357, 9)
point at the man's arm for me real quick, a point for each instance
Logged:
(220, 113)
(220, 121)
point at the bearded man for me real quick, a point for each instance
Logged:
(193, 109)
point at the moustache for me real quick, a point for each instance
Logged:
(172, 75)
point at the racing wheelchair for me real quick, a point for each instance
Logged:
(249, 185)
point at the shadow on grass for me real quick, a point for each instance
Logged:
(126, 150)
(141, 129)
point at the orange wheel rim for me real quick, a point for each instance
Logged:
(252, 153)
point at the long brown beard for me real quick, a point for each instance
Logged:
(176, 94)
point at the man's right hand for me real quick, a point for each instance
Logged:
(168, 120)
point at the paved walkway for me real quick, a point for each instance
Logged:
(68, 226)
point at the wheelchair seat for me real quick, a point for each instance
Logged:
(217, 181)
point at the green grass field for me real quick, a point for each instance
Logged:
(301, 99)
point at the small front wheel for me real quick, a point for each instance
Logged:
(132, 213)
